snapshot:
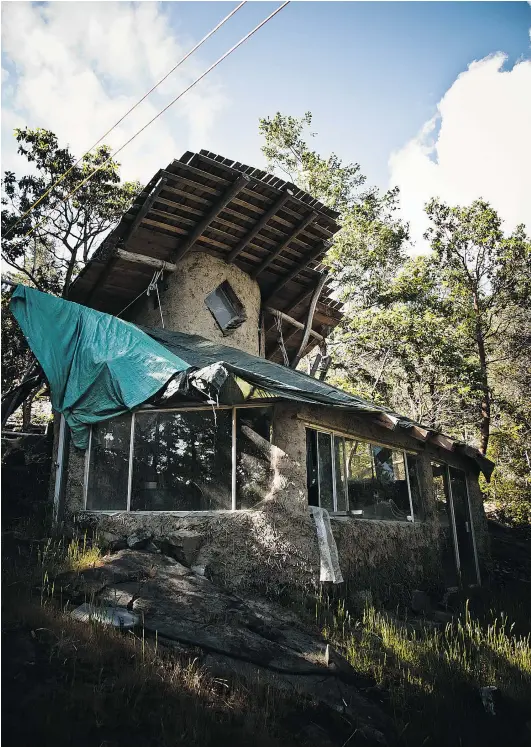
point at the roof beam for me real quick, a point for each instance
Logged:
(308, 327)
(321, 247)
(280, 248)
(443, 441)
(291, 320)
(142, 259)
(259, 225)
(388, 421)
(145, 208)
(203, 224)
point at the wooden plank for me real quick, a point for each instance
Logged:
(142, 259)
(291, 320)
(165, 226)
(296, 270)
(309, 322)
(144, 210)
(284, 197)
(443, 441)
(227, 197)
(267, 261)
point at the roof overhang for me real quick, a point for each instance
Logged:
(267, 227)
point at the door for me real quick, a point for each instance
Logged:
(464, 528)
(443, 505)
(453, 510)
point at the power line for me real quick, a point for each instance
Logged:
(183, 59)
(194, 83)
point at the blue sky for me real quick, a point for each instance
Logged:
(434, 97)
(370, 72)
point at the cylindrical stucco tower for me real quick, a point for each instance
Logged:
(185, 298)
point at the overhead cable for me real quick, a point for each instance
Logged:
(194, 83)
(183, 59)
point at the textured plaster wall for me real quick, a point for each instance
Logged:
(274, 546)
(183, 302)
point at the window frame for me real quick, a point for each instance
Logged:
(346, 436)
(232, 304)
(134, 413)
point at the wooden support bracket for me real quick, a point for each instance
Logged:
(443, 441)
(309, 322)
(142, 259)
(294, 322)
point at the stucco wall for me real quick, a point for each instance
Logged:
(183, 302)
(274, 546)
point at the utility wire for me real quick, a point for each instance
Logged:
(183, 59)
(194, 83)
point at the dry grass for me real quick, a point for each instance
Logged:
(432, 675)
(76, 683)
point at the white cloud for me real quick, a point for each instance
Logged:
(76, 68)
(482, 147)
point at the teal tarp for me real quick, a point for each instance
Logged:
(97, 366)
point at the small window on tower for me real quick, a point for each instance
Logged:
(226, 308)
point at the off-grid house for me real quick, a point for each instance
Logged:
(218, 263)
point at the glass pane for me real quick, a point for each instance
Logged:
(339, 456)
(253, 455)
(360, 478)
(324, 450)
(414, 484)
(182, 461)
(392, 495)
(312, 470)
(109, 465)
(463, 526)
(442, 504)
(440, 489)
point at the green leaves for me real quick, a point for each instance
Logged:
(62, 231)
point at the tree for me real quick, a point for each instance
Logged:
(406, 350)
(56, 239)
(369, 246)
(487, 278)
(49, 246)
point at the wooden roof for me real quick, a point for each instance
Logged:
(267, 227)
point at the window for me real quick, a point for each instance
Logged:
(253, 455)
(180, 460)
(226, 308)
(108, 465)
(367, 480)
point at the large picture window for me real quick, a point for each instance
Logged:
(188, 460)
(367, 480)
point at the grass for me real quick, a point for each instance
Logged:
(69, 682)
(430, 676)
(94, 687)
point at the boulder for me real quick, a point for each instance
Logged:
(247, 638)
(139, 539)
(184, 545)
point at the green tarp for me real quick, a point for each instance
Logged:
(97, 366)
(271, 377)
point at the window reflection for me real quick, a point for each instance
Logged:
(182, 461)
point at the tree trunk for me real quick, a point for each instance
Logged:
(484, 428)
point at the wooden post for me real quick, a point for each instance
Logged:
(309, 321)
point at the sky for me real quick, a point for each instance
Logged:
(432, 97)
